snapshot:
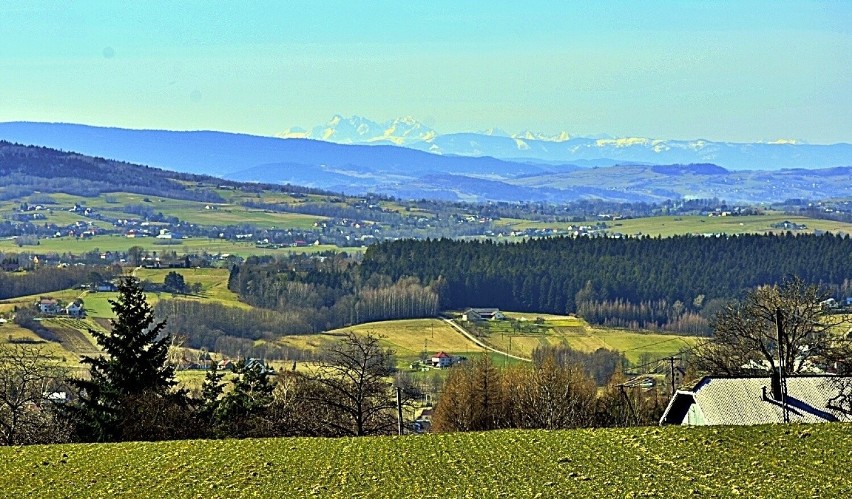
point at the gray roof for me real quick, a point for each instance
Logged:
(740, 401)
(487, 311)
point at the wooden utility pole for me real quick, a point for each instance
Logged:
(399, 409)
(672, 372)
(782, 375)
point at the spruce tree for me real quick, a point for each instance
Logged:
(211, 392)
(242, 411)
(134, 366)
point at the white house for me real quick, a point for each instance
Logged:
(48, 306)
(75, 309)
(442, 359)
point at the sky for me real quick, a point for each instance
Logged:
(742, 71)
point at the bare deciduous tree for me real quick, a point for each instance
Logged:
(548, 395)
(350, 394)
(747, 339)
(28, 375)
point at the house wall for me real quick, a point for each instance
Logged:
(694, 416)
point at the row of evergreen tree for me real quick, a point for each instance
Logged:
(644, 281)
(672, 284)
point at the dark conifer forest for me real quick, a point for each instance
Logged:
(641, 282)
(675, 284)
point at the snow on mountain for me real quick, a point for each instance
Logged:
(359, 130)
(562, 147)
(530, 135)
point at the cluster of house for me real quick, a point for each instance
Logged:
(51, 306)
(572, 230)
(205, 360)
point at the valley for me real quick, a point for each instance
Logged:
(538, 251)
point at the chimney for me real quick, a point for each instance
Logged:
(775, 379)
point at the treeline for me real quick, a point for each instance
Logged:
(599, 365)
(46, 280)
(652, 282)
(317, 295)
(229, 330)
(551, 393)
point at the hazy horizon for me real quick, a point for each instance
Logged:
(754, 71)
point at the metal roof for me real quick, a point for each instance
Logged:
(741, 401)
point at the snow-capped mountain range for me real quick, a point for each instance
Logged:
(408, 173)
(562, 147)
(400, 131)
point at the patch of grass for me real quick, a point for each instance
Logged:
(191, 245)
(627, 462)
(758, 224)
(214, 285)
(13, 334)
(410, 338)
(555, 330)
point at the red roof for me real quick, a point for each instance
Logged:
(440, 355)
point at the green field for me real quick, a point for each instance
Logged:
(194, 212)
(758, 461)
(555, 330)
(758, 224)
(667, 226)
(214, 285)
(407, 338)
(190, 245)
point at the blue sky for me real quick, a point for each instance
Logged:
(738, 70)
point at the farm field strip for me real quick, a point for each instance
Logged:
(62, 245)
(759, 461)
(694, 224)
(554, 330)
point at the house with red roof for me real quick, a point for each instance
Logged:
(442, 359)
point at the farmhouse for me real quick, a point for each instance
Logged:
(752, 400)
(259, 365)
(482, 314)
(442, 359)
(104, 286)
(48, 306)
(75, 309)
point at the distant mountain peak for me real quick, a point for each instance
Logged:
(494, 132)
(530, 135)
(359, 130)
(407, 131)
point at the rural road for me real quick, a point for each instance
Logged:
(480, 343)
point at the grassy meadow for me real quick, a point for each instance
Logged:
(555, 330)
(756, 461)
(181, 246)
(757, 224)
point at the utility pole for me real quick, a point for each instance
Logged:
(672, 371)
(782, 376)
(629, 406)
(399, 409)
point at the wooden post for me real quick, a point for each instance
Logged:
(399, 409)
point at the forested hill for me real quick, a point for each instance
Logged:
(26, 169)
(639, 280)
